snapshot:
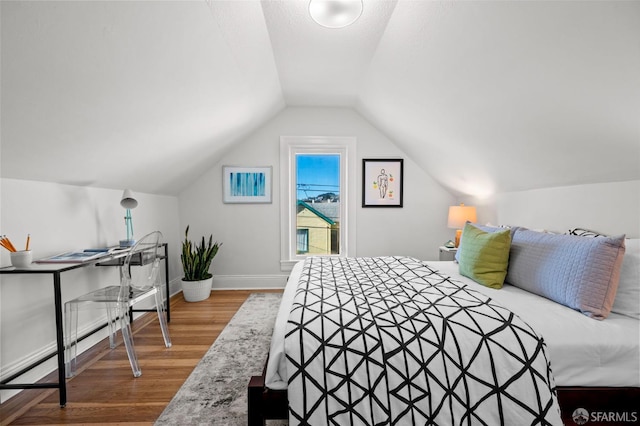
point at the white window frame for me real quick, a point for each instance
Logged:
(290, 146)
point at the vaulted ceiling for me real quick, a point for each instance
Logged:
(485, 96)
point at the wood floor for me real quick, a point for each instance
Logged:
(105, 391)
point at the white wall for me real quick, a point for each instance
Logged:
(61, 218)
(609, 208)
(250, 233)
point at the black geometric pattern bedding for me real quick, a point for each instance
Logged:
(389, 341)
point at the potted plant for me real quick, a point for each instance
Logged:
(196, 260)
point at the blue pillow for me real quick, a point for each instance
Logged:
(581, 273)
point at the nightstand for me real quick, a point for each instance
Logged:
(447, 253)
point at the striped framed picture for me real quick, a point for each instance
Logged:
(246, 184)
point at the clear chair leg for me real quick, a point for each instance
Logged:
(162, 318)
(112, 316)
(125, 327)
(71, 344)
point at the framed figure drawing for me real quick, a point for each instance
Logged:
(246, 184)
(382, 181)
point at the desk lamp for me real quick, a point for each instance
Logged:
(128, 202)
(458, 216)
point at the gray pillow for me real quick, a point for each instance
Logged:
(581, 273)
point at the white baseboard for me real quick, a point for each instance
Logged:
(238, 282)
(249, 282)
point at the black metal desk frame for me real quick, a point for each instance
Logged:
(56, 270)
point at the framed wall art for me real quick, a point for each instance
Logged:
(246, 184)
(382, 181)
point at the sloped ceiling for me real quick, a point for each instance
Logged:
(485, 96)
(121, 94)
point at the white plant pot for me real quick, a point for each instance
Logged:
(195, 291)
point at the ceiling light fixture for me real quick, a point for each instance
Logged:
(335, 13)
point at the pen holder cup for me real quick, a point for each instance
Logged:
(21, 259)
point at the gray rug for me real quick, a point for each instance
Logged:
(216, 391)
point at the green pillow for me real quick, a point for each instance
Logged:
(484, 256)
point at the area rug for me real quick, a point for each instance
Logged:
(216, 391)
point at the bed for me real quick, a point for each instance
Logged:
(594, 365)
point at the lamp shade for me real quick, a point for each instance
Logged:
(459, 215)
(335, 13)
(128, 201)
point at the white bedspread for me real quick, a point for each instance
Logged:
(583, 351)
(389, 340)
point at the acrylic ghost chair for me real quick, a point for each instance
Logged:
(118, 299)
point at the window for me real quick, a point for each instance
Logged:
(317, 181)
(318, 201)
(302, 245)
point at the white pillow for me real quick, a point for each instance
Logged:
(627, 301)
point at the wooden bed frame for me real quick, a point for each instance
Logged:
(268, 404)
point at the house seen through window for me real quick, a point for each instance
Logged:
(317, 204)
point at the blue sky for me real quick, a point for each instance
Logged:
(319, 173)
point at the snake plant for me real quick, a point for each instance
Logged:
(196, 259)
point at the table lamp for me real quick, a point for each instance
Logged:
(458, 216)
(128, 202)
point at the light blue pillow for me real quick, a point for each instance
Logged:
(581, 273)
